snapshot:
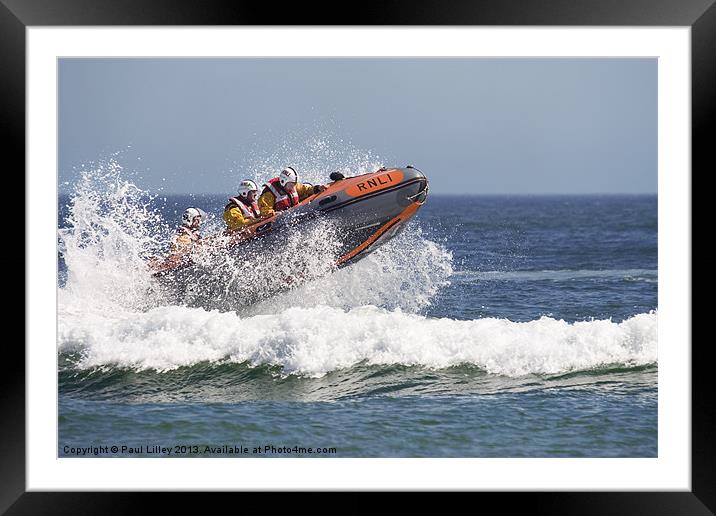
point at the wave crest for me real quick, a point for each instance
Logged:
(315, 341)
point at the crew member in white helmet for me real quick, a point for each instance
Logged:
(242, 210)
(284, 192)
(188, 233)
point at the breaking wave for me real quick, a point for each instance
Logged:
(315, 341)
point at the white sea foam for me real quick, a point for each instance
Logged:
(315, 341)
(406, 273)
(111, 229)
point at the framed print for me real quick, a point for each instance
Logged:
(419, 253)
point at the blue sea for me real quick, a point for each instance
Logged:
(491, 326)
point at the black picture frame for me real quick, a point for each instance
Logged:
(699, 15)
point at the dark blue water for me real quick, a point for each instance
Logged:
(572, 258)
(491, 375)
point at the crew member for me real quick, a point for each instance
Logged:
(284, 192)
(242, 210)
(188, 233)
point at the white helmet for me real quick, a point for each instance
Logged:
(287, 175)
(190, 214)
(247, 186)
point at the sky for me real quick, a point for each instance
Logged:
(472, 125)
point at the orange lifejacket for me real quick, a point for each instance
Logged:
(248, 210)
(283, 199)
(193, 234)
